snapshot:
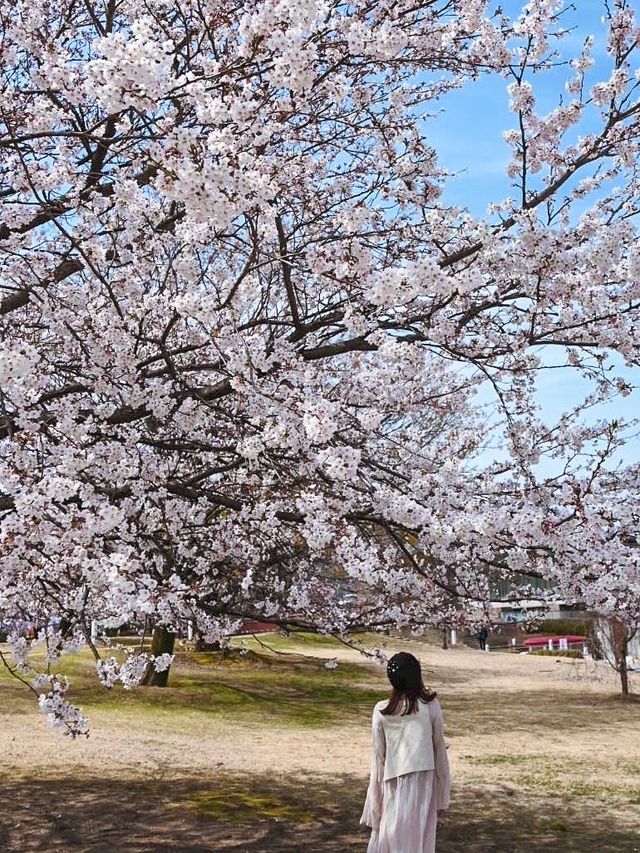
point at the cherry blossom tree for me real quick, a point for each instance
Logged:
(614, 638)
(248, 352)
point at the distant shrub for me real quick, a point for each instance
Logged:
(558, 653)
(559, 627)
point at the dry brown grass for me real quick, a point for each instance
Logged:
(239, 756)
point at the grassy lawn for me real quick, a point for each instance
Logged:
(540, 763)
(288, 688)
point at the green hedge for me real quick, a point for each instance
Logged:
(558, 653)
(560, 627)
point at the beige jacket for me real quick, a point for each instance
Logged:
(409, 739)
(401, 745)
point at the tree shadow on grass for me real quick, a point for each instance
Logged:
(501, 820)
(241, 812)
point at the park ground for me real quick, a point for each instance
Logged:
(268, 752)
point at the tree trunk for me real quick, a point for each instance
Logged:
(162, 643)
(445, 642)
(624, 680)
(621, 647)
(615, 647)
(622, 666)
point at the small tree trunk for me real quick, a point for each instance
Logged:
(162, 643)
(615, 647)
(624, 679)
(621, 649)
(445, 642)
(622, 666)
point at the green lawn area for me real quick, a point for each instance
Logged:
(286, 687)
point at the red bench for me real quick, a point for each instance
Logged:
(572, 640)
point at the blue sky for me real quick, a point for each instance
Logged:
(468, 138)
(468, 135)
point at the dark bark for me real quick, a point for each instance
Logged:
(621, 652)
(620, 636)
(624, 680)
(162, 643)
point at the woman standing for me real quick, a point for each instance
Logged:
(410, 780)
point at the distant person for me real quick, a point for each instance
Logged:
(481, 637)
(410, 783)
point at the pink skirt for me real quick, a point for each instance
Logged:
(409, 815)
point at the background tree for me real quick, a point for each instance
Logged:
(614, 637)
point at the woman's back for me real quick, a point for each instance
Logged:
(408, 738)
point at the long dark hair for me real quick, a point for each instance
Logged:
(405, 675)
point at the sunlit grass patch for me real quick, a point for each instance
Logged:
(297, 639)
(296, 642)
(244, 798)
(566, 776)
(293, 689)
(541, 713)
(240, 806)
